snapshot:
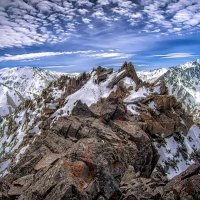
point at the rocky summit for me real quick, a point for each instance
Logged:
(103, 135)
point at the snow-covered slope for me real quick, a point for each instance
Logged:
(152, 75)
(18, 84)
(183, 81)
(176, 154)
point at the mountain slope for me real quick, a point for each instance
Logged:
(153, 75)
(18, 84)
(99, 135)
(183, 82)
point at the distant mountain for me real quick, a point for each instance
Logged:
(182, 81)
(100, 135)
(19, 84)
(152, 75)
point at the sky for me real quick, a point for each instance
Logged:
(77, 35)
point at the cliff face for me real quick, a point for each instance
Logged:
(103, 135)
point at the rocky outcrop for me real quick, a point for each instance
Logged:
(81, 156)
(164, 115)
(110, 108)
(85, 156)
(164, 102)
(127, 70)
(130, 70)
(102, 73)
(183, 186)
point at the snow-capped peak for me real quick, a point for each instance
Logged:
(188, 65)
(153, 75)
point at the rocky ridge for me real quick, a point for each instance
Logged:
(102, 135)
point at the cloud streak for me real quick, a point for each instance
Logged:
(88, 53)
(29, 56)
(111, 55)
(175, 55)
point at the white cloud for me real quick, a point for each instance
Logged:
(21, 23)
(183, 16)
(44, 6)
(103, 2)
(84, 3)
(83, 11)
(87, 53)
(86, 20)
(8, 57)
(101, 15)
(175, 55)
(110, 55)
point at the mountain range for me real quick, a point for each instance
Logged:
(19, 84)
(100, 135)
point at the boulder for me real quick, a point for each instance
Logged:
(164, 102)
(81, 109)
(133, 132)
(110, 108)
(185, 185)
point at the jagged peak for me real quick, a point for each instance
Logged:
(130, 70)
(127, 70)
(102, 73)
(127, 66)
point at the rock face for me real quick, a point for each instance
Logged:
(75, 148)
(156, 112)
(185, 185)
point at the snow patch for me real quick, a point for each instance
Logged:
(21, 152)
(152, 105)
(3, 168)
(136, 95)
(171, 158)
(89, 94)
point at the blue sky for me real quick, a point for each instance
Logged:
(77, 35)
